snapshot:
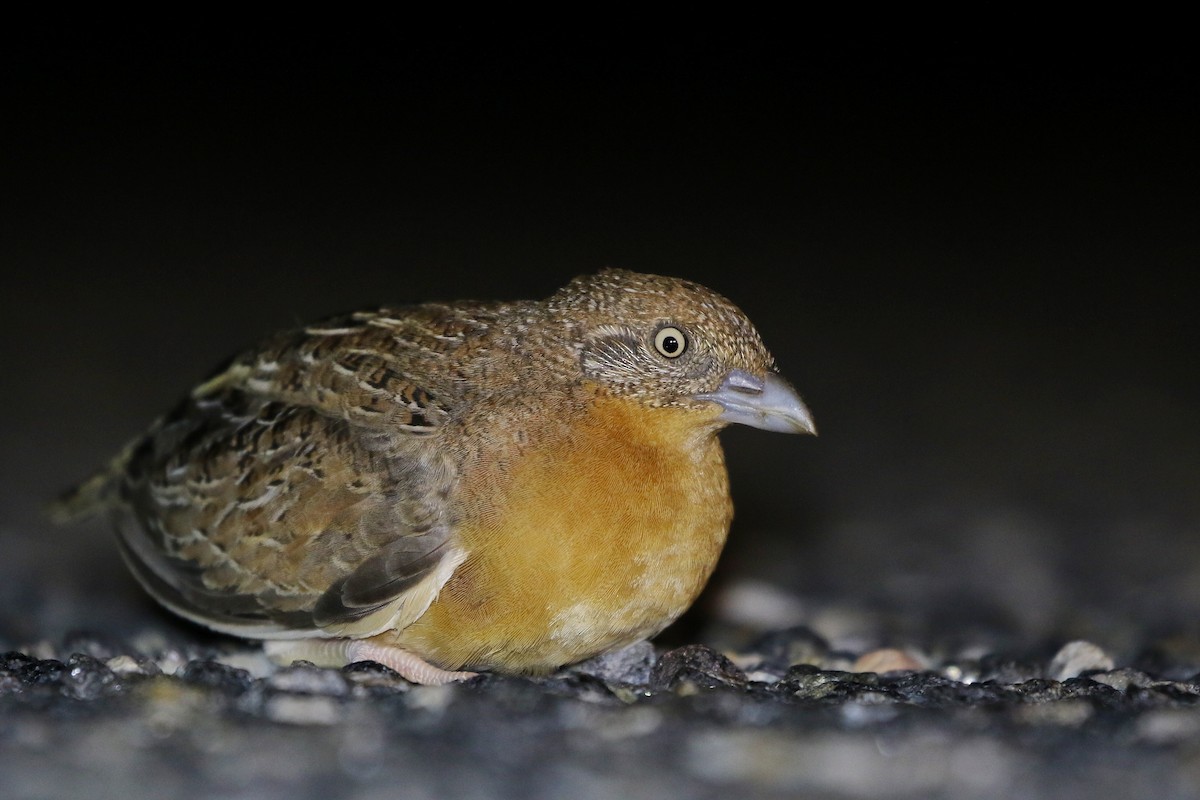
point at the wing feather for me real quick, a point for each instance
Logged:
(301, 491)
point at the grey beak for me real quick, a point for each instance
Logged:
(769, 403)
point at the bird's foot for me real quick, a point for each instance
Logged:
(411, 667)
(340, 652)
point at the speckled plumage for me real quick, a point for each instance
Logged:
(507, 486)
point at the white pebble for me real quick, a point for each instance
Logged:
(1076, 658)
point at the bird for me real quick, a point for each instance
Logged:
(449, 488)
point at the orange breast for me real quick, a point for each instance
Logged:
(589, 536)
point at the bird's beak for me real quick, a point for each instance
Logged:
(769, 403)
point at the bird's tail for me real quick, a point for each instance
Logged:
(91, 497)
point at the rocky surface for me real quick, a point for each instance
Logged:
(780, 717)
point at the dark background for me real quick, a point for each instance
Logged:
(973, 255)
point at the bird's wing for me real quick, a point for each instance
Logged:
(302, 491)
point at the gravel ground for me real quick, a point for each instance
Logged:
(782, 718)
(973, 258)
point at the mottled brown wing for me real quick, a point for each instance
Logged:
(297, 493)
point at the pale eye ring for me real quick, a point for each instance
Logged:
(670, 341)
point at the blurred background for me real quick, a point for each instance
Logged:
(973, 255)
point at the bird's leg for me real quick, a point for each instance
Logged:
(411, 667)
(340, 652)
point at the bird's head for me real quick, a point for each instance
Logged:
(674, 343)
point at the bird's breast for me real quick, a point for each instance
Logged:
(588, 536)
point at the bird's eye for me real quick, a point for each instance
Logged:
(670, 342)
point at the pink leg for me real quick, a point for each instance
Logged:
(410, 667)
(340, 652)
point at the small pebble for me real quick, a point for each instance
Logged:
(694, 666)
(88, 678)
(253, 661)
(216, 676)
(433, 699)
(779, 650)
(629, 665)
(1063, 713)
(1123, 679)
(759, 606)
(887, 660)
(170, 662)
(305, 678)
(299, 709)
(1169, 725)
(124, 665)
(1078, 657)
